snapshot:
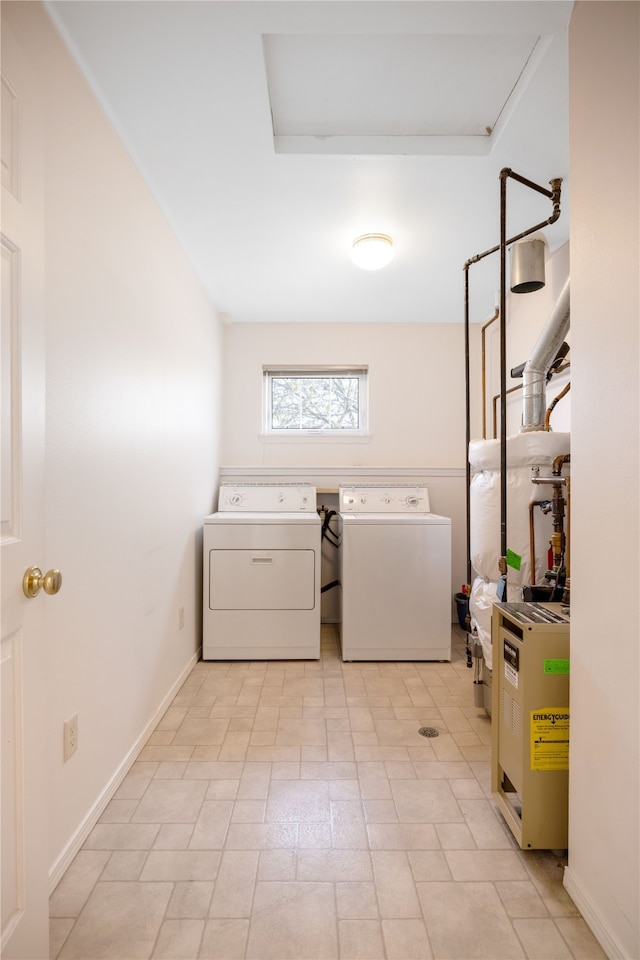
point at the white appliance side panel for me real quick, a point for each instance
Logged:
(262, 579)
(396, 591)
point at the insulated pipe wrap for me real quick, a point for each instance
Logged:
(537, 367)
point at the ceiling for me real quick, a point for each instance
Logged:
(273, 133)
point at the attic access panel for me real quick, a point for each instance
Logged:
(395, 94)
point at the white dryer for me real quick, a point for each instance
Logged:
(395, 575)
(261, 574)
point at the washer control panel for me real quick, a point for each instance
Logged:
(267, 498)
(384, 499)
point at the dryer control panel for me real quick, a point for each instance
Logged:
(384, 499)
(267, 498)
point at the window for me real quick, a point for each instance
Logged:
(301, 401)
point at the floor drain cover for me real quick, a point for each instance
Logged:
(428, 732)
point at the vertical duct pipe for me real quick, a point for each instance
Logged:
(534, 375)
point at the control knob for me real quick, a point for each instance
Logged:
(412, 500)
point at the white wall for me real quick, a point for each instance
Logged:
(133, 369)
(416, 391)
(604, 798)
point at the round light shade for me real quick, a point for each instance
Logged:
(372, 251)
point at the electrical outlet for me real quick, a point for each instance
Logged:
(181, 618)
(70, 737)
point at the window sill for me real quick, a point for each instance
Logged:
(313, 438)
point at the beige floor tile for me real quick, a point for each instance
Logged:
(178, 939)
(577, 934)
(170, 801)
(425, 801)
(334, 865)
(139, 908)
(73, 891)
(222, 790)
(402, 836)
(356, 901)
(224, 940)
(360, 940)
(122, 836)
(314, 836)
(406, 940)
(233, 893)
(485, 865)
(124, 865)
(118, 811)
(277, 865)
(181, 865)
(488, 829)
(173, 836)
(293, 921)
(520, 899)
(429, 865)
(261, 836)
(380, 811)
(195, 732)
(298, 811)
(190, 899)
(455, 836)
(541, 938)
(468, 920)
(395, 885)
(249, 811)
(234, 746)
(210, 830)
(59, 930)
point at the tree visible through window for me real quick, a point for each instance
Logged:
(315, 400)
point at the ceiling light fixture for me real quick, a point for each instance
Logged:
(372, 251)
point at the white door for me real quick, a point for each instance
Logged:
(23, 653)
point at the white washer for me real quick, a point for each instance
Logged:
(396, 575)
(261, 583)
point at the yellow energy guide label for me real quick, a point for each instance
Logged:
(549, 729)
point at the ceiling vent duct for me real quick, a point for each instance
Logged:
(539, 363)
(527, 266)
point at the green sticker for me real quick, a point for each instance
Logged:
(556, 666)
(513, 560)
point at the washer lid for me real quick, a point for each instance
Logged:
(260, 517)
(362, 519)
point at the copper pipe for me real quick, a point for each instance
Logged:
(532, 537)
(484, 375)
(553, 404)
(495, 406)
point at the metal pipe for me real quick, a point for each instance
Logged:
(554, 196)
(518, 386)
(484, 374)
(553, 404)
(534, 375)
(467, 402)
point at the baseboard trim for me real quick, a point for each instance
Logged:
(61, 865)
(592, 917)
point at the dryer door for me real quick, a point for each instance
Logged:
(262, 580)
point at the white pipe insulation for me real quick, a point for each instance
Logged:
(537, 366)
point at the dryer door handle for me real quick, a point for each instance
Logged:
(261, 559)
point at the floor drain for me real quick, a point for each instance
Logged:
(428, 732)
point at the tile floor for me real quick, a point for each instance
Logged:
(291, 810)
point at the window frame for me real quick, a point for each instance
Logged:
(274, 371)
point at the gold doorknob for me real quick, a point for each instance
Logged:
(34, 579)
